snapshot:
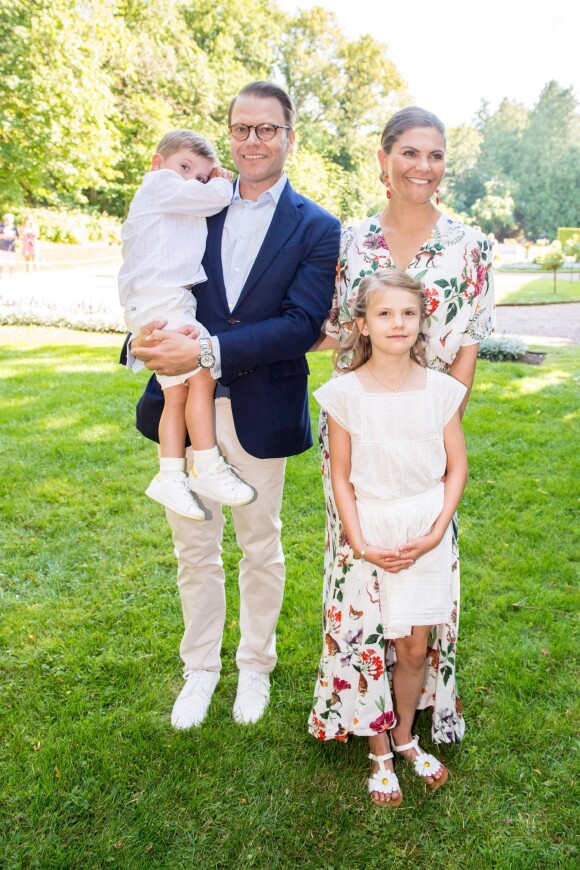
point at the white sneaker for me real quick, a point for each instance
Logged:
(174, 493)
(222, 485)
(252, 697)
(192, 702)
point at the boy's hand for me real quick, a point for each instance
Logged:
(220, 172)
(189, 330)
(145, 337)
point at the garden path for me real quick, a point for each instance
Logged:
(92, 291)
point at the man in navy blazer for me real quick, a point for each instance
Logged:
(270, 262)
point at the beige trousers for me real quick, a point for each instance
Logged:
(200, 575)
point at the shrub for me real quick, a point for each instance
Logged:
(500, 348)
(566, 233)
(73, 227)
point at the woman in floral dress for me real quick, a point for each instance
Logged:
(453, 262)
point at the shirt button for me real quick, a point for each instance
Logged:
(232, 320)
(236, 270)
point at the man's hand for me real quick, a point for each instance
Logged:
(172, 353)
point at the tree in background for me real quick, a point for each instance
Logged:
(531, 156)
(549, 167)
(91, 85)
(57, 114)
(494, 212)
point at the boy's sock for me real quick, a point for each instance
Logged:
(170, 467)
(205, 460)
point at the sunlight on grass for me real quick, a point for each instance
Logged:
(12, 404)
(107, 368)
(100, 432)
(553, 378)
(63, 421)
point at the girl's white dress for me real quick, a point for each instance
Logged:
(398, 459)
(454, 265)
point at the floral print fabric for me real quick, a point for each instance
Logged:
(353, 691)
(454, 266)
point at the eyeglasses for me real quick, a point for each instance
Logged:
(265, 132)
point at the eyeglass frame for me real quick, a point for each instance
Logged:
(254, 127)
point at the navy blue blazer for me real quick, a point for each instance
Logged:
(277, 318)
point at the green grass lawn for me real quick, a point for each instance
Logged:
(92, 774)
(541, 290)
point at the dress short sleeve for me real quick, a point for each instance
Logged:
(333, 398)
(453, 394)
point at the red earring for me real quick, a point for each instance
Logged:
(387, 185)
(437, 196)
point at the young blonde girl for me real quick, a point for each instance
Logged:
(394, 433)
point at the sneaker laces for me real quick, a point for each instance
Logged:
(194, 681)
(254, 681)
(227, 474)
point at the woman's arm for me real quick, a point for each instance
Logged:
(454, 485)
(463, 370)
(325, 342)
(340, 467)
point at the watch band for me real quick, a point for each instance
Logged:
(206, 359)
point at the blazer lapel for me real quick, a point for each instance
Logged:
(212, 260)
(286, 218)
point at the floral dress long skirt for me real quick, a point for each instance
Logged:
(353, 688)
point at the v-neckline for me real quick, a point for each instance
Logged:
(419, 249)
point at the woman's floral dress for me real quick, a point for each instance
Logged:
(454, 266)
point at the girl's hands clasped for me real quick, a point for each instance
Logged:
(392, 561)
(419, 546)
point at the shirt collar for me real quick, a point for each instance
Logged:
(273, 193)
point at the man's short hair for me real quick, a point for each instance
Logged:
(264, 91)
(176, 140)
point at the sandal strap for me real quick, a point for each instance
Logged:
(380, 758)
(402, 747)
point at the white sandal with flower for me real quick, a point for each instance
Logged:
(384, 781)
(424, 763)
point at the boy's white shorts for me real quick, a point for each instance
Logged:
(176, 305)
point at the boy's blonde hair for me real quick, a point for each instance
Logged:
(357, 349)
(175, 140)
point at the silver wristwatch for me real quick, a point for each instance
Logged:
(206, 359)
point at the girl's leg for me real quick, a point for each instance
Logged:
(172, 423)
(379, 745)
(199, 410)
(408, 679)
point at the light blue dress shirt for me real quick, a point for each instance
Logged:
(245, 228)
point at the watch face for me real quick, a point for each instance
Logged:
(206, 360)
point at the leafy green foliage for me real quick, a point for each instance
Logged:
(530, 159)
(90, 88)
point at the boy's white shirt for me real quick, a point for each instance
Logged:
(165, 232)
